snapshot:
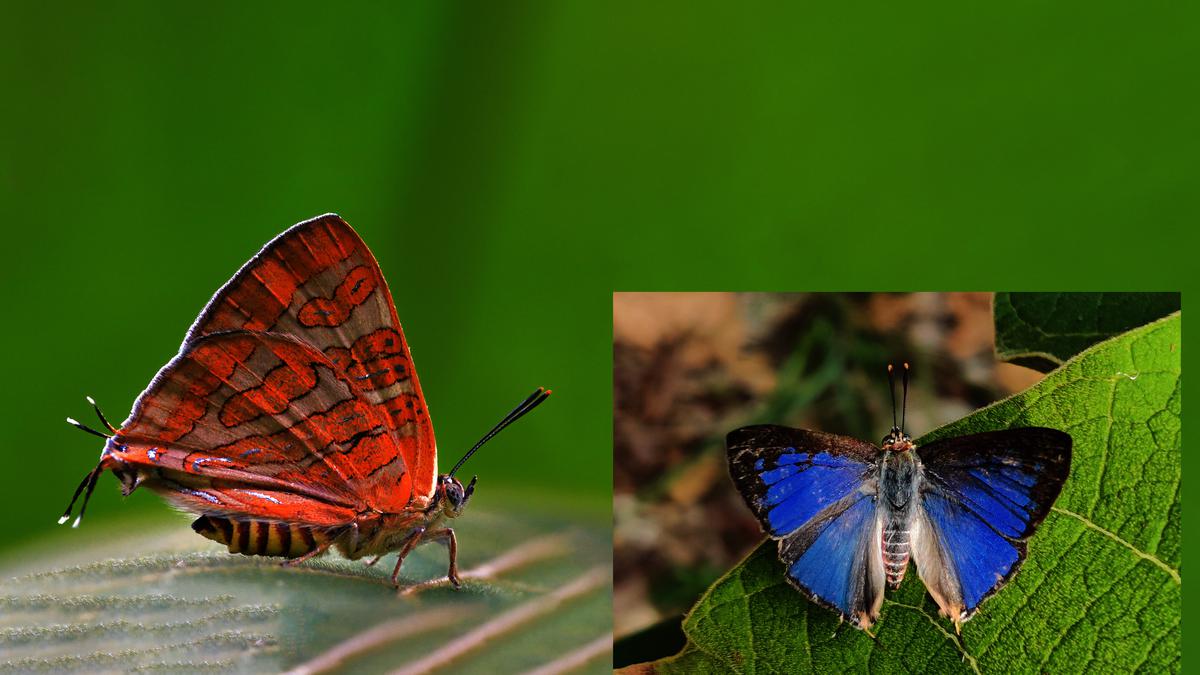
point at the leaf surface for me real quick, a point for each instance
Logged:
(1042, 330)
(174, 601)
(1099, 591)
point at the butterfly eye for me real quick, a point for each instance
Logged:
(455, 495)
(894, 436)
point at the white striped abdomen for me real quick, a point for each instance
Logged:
(896, 550)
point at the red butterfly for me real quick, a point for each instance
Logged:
(292, 420)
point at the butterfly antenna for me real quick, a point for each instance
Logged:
(83, 427)
(88, 482)
(904, 406)
(87, 496)
(79, 490)
(103, 419)
(532, 401)
(892, 390)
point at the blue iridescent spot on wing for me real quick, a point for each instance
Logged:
(786, 465)
(799, 490)
(775, 475)
(831, 564)
(995, 509)
(981, 557)
(998, 494)
(1012, 484)
(1005, 495)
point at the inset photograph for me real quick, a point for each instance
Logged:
(938, 482)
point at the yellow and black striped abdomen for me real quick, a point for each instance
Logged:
(260, 537)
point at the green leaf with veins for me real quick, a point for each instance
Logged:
(1099, 591)
(536, 590)
(1042, 330)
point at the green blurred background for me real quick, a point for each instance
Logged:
(510, 164)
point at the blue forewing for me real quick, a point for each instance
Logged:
(978, 498)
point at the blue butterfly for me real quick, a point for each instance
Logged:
(848, 515)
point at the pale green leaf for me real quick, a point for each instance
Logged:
(537, 590)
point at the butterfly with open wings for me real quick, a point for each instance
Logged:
(848, 515)
(292, 419)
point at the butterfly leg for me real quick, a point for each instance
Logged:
(376, 559)
(292, 562)
(410, 544)
(452, 543)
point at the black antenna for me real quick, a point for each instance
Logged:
(904, 408)
(892, 390)
(83, 427)
(82, 484)
(532, 401)
(103, 419)
(89, 482)
(87, 496)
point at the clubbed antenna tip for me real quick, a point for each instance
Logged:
(532, 401)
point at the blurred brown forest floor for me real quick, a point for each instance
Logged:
(690, 367)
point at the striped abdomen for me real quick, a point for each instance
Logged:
(260, 537)
(895, 554)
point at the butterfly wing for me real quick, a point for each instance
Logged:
(251, 423)
(981, 498)
(320, 283)
(816, 494)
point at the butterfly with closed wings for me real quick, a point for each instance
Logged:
(292, 419)
(849, 515)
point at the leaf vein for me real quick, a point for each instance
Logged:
(1136, 551)
(970, 659)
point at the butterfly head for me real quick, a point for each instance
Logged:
(897, 441)
(452, 496)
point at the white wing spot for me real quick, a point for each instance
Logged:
(262, 495)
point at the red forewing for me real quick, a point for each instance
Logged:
(318, 282)
(264, 424)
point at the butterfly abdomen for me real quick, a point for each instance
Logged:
(261, 537)
(896, 551)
